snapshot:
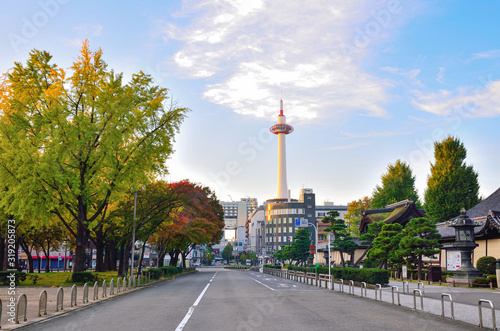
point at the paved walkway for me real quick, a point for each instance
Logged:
(33, 295)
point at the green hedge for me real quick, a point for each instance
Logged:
(5, 279)
(164, 271)
(272, 266)
(368, 275)
(83, 277)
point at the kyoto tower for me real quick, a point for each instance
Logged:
(281, 129)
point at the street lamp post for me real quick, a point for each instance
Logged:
(329, 239)
(316, 246)
(133, 236)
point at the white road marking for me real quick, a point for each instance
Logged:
(191, 309)
(272, 289)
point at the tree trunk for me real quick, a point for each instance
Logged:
(99, 263)
(121, 263)
(342, 259)
(141, 258)
(82, 237)
(47, 258)
(110, 256)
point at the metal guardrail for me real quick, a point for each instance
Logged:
(351, 287)
(22, 301)
(397, 291)
(415, 299)
(73, 296)
(451, 305)
(42, 303)
(406, 287)
(493, 319)
(363, 286)
(378, 287)
(60, 299)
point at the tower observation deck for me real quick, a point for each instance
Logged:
(281, 129)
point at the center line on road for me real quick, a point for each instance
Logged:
(272, 289)
(191, 309)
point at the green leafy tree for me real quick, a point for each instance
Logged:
(283, 255)
(452, 185)
(385, 244)
(397, 184)
(227, 252)
(300, 247)
(366, 239)
(486, 265)
(71, 142)
(354, 214)
(420, 238)
(343, 240)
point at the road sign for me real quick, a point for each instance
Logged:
(301, 223)
(313, 249)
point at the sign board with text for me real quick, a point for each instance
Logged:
(301, 223)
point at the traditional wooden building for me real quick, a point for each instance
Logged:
(400, 212)
(486, 215)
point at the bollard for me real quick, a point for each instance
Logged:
(112, 287)
(415, 300)
(407, 287)
(96, 290)
(60, 299)
(42, 303)
(73, 296)
(397, 290)
(104, 288)
(85, 293)
(493, 319)
(378, 287)
(341, 285)
(363, 285)
(351, 287)
(451, 305)
(422, 289)
(22, 301)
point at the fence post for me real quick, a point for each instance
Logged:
(42, 303)
(451, 304)
(73, 296)
(60, 299)
(493, 319)
(21, 301)
(415, 300)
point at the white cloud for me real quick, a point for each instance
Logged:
(344, 147)
(90, 30)
(374, 134)
(440, 75)
(248, 51)
(411, 76)
(492, 54)
(481, 101)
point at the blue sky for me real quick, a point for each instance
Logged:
(364, 83)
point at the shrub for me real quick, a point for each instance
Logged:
(6, 280)
(272, 266)
(486, 265)
(480, 281)
(83, 277)
(34, 278)
(492, 279)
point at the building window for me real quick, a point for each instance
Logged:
(279, 220)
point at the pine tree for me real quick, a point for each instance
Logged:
(452, 184)
(385, 244)
(343, 241)
(420, 238)
(397, 184)
(300, 248)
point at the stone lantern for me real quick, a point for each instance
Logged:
(465, 243)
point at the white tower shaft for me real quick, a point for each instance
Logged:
(282, 183)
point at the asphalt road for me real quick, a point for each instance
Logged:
(218, 299)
